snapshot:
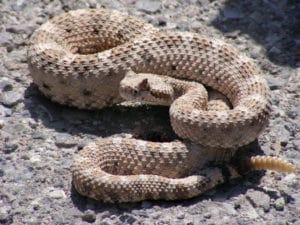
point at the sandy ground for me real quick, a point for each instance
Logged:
(39, 138)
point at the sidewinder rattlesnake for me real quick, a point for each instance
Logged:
(79, 59)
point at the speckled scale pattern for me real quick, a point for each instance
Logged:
(123, 170)
(80, 57)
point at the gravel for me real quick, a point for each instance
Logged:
(39, 138)
(259, 199)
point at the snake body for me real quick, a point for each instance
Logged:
(79, 59)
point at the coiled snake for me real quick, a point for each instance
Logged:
(79, 59)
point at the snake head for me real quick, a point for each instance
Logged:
(146, 88)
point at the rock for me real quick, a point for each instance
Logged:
(17, 29)
(140, 213)
(11, 98)
(57, 194)
(298, 110)
(5, 111)
(35, 159)
(156, 215)
(203, 2)
(274, 83)
(183, 25)
(251, 213)
(148, 6)
(279, 223)
(292, 113)
(104, 223)
(127, 219)
(10, 147)
(5, 215)
(296, 143)
(162, 21)
(279, 204)
(18, 5)
(128, 2)
(2, 123)
(285, 73)
(188, 1)
(64, 140)
(207, 215)
(5, 39)
(230, 209)
(255, 53)
(180, 215)
(5, 84)
(36, 203)
(290, 179)
(105, 214)
(89, 216)
(283, 136)
(259, 199)
(39, 135)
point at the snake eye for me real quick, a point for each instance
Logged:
(135, 92)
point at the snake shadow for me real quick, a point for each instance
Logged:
(272, 24)
(138, 120)
(153, 121)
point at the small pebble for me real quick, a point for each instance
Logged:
(64, 140)
(4, 111)
(5, 214)
(2, 123)
(36, 203)
(127, 219)
(274, 82)
(39, 135)
(5, 84)
(5, 39)
(279, 204)
(148, 6)
(296, 143)
(180, 215)
(140, 213)
(35, 158)
(89, 216)
(104, 223)
(57, 194)
(10, 147)
(259, 199)
(207, 215)
(229, 209)
(11, 98)
(156, 215)
(255, 53)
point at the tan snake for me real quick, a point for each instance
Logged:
(79, 59)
